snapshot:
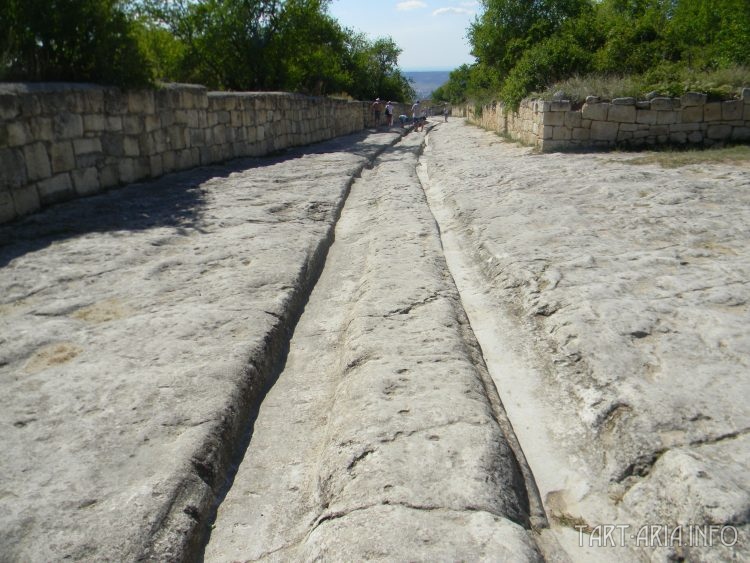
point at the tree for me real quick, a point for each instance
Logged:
(70, 40)
(507, 28)
(292, 45)
(467, 83)
(310, 48)
(634, 35)
(376, 71)
(227, 42)
(525, 45)
(714, 34)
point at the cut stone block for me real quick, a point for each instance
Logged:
(719, 131)
(55, 189)
(68, 125)
(86, 181)
(622, 113)
(597, 112)
(712, 112)
(604, 131)
(37, 161)
(26, 200)
(693, 99)
(12, 169)
(664, 104)
(732, 110)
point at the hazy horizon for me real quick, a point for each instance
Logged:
(430, 33)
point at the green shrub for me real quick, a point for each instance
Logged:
(547, 62)
(667, 80)
(667, 46)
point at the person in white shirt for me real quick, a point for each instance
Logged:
(376, 105)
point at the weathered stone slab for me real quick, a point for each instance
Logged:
(604, 131)
(622, 113)
(561, 133)
(580, 134)
(595, 111)
(668, 117)
(560, 105)
(8, 107)
(589, 255)
(41, 129)
(554, 118)
(25, 199)
(135, 325)
(37, 161)
(663, 104)
(12, 170)
(383, 375)
(86, 181)
(732, 110)
(719, 131)
(55, 189)
(85, 146)
(67, 125)
(17, 134)
(7, 210)
(573, 119)
(712, 111)
(693, 99)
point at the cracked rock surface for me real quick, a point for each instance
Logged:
(381, 439)
(135, 329)
(502, 342)
(630, 287)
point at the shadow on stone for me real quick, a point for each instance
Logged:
(176, 200)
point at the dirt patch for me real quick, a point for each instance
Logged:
(108, 310)
(52, 355)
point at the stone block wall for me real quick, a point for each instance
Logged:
(688, 120)
(61, 141)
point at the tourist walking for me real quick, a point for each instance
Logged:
(415, 112)
(389, 114)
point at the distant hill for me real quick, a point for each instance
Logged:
(425, 82)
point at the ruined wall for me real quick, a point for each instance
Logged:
(61, 141)
(688, 120)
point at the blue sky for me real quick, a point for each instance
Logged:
(431, 33)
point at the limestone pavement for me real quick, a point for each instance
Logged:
(137, 328)
(384, 416)
(624, 291)
(486, 360)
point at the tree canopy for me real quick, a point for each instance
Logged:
(291, 45)
(522, 46)
(73, 40)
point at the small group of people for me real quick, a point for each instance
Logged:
(418, 114)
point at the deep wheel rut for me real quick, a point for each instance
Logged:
(384, 436)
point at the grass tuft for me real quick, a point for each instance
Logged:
(721, 84)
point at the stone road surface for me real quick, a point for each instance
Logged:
(494, 350)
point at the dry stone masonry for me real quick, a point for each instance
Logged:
(555, 125)
(62, 141)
